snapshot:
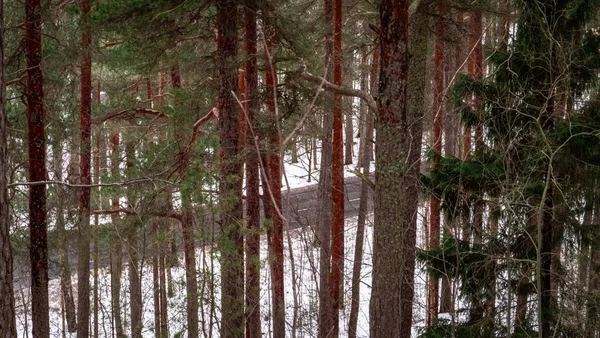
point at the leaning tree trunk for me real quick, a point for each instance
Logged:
(38, 249)
(8, 329)
(399, 133)
(230, 187)
(83, 261)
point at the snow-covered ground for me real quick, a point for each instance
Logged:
(299, 245)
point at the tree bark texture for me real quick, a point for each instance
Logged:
(230, 187)
(253, 323)
(398, 148)
(8, 329)
(274, 168)
(337, 177)
(116, 267)
(83, 261)
(135, 287)
(38, 249)
(324, 192)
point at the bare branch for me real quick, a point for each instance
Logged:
(116, 184)
(323, 83)
(130, 113)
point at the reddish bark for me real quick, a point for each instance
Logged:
(149, 94)
(253, 325)
(232, 244)
(175, 77)
(337, 176)
(161, 90)
(243, 111)
(274, 167)
(38, 249)
(83, 262)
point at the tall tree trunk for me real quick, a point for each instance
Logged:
(135, 288)
(187, 224)
(438, 110)
(65, 267)
(164, 324)
(399, 133)
(230, 187)
(156, 279)
(38, 249)
(274, 168)
(366, 148)
(253, 325)
(8, 329)
(337, 177)
(189, 250)
(324, 192)
(348, 134)
(116, 267)
(83, 261)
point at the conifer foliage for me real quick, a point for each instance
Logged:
(180, 138)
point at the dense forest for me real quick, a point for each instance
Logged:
(299, 168)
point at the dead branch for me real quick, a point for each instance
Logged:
(130, 113)
(323, 83)
(174, 215)
(71, 185)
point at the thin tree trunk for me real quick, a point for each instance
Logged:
(253, 323)
(135, 291)
(116, 247)
(337, 177)
(366, 148)
(156, 280)
(230, 187)
(164, 324)
(187, 225)
(83, 261)
(348, 135)
(190, 266)
(8, 329)
(274, 191)
(438, 109)
(65, 267)
(399, 133)
(324, 192)
(38, 249)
